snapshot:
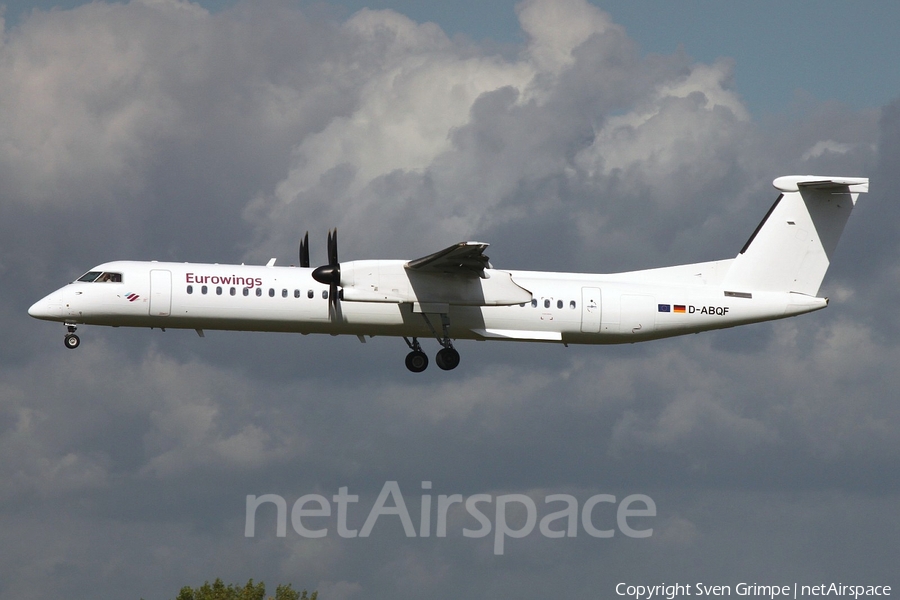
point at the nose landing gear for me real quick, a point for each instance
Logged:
(71, 340)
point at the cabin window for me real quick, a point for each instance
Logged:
(296, 293)
(218, 290)
(546, 302)
(310, 294)
(246, 291)
(232, 291)
(572, 304)
(284, 293)
(559, 304)
(325, 294)
(271, 292)
(534, 303)
(190, 289)
(204, 289)
(259, 292)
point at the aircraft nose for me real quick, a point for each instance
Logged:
(49, 307)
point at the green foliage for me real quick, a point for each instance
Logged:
(219, 591)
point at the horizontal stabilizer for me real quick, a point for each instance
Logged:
(793, 183)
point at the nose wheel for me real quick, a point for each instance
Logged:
(71, 340)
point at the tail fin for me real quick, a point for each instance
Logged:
(792, 246)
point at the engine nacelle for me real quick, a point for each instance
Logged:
(374, 281)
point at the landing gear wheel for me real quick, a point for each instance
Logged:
(71, 341)
(447, 359)
(416, 361)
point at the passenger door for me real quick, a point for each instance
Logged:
(160, 293)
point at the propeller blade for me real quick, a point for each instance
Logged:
(332, 247)
(330, 274)
(336, 265)
(304, 250)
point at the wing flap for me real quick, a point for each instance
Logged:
(519, 334)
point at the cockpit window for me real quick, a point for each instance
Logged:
(101, 277)
(90, 276)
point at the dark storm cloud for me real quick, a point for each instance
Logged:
(157, 130)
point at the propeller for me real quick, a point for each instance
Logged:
(304, 251)
(330, 274)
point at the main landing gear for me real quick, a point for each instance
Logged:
(71, 340)
(447, 357)
(417, 361)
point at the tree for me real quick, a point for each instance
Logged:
(217, 590)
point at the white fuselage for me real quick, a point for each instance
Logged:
(565, 307)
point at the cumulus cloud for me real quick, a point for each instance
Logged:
(456, 145)
(157, 129)
(88, 99)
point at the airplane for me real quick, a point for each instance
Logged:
(456, 294)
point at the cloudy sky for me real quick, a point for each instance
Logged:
(570, 135)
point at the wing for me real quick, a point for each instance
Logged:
(464, 258)
(458, 276)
